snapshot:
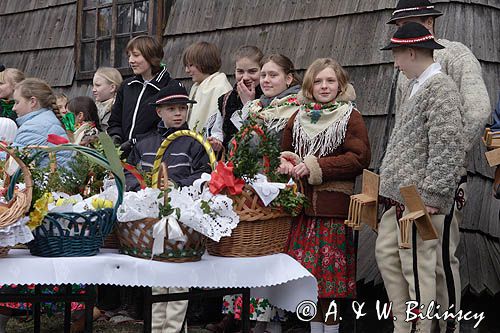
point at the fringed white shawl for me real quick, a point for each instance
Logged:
(320, 129)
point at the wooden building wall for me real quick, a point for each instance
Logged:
(39, 38)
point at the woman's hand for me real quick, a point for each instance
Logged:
(246, 94)
(286, 167)
(216, 144)
(300, 170)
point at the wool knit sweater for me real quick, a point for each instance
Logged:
(426, 145)
(461, 65)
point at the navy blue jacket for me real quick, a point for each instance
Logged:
(185, 157)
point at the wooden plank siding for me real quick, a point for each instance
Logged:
(44, 47)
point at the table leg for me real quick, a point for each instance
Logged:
(148, 304)
(67, 308)
(89, 307)
(245, 311)
(36, 310)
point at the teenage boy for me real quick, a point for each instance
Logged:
(425, 149)
(186, 160)
(461, 65)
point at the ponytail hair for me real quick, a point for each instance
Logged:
(33, 87)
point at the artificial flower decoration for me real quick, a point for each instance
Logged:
(56, 139)
(40, 209)
(223, 177)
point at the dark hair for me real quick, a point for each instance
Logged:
(150, 49)
(285, 64)
(204, 55)
(85, 105)
(248, 51)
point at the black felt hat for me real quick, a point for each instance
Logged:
(173, 93)
(413, 8)
(413, 35)
(2, 67)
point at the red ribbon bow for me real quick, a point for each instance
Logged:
(223, 177)
(56, 139)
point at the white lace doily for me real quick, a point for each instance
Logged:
(139, 205)
(210, 215)
(17, 233)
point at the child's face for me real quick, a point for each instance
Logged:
(22, 106)
(248, 71)
(325, 86)
(404, 61)
(139, 65)
(196, 75)
(6, 89)
(102, 89)
(273, 79)
(61, 104)
(173, 115)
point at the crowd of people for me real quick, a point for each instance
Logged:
(441, 106)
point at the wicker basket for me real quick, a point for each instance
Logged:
(20, 202)
(4, 251)
(261, 231)
(136, 237)
(75, 234)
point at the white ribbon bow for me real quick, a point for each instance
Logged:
(160, 232)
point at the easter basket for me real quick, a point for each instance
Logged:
(262, 230)
(20, 200)
(137, 237)
(75, 234)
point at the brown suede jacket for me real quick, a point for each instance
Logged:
(331, 179)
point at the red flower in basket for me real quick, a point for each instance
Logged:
(56, 139)
(223, 177)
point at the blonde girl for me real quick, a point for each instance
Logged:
(105, 85)
(9, 77)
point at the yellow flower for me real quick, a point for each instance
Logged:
(40, 209)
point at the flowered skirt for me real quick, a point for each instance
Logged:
(260, 309)
(47, 307)
(325, 247)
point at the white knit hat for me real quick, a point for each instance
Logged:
(8, 130)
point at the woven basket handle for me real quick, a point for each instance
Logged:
(168, 140)
(28, 181)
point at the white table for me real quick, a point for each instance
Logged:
(277, 277)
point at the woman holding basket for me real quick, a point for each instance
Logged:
(326, 144)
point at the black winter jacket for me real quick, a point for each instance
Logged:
(132, 115)
(230, 103)
(185, 157)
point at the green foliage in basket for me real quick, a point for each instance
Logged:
(254, 150)
(291, 201)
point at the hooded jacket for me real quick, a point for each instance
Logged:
(185, 157)
(132, 115)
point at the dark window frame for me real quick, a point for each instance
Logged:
(155, 24)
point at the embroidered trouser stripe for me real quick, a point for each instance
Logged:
(450, 283)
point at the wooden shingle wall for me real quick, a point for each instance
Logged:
(38, 37)
(353, 32)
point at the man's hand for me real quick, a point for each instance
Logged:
(432, 210)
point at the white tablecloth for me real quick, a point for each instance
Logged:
(277, 277)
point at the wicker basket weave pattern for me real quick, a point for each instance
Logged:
(136, 237)
(73, 234)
